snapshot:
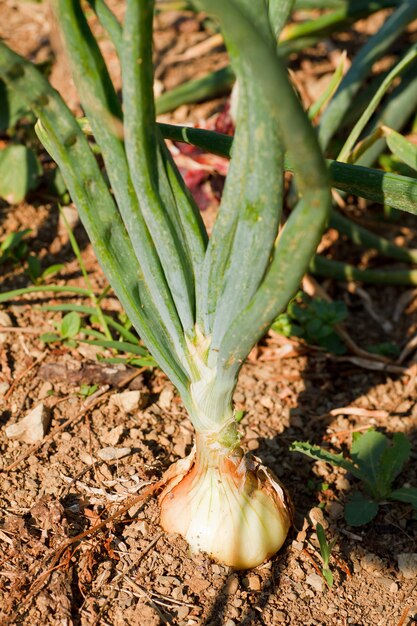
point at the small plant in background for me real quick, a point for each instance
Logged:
(20, 172)
(325, 552)
(14, 247)
(87, 390)
(35, 272)
(376, 462)
(313, 320)
(67, 330)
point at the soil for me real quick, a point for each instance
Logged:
(131, 572)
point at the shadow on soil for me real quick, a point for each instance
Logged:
(327, 386)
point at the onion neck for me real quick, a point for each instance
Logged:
(209, 401)
(212, 448)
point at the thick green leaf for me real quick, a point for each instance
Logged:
(215, 84)
(366, 452)
(383, 187)
(70, 325)
(11, 108)
(243, 236)
(338, 270)
(290, 257)
(19, 172)
(392, 462)
(100, 101)
(279, 13)
(405, 494)
(142, 145)
(360, 509)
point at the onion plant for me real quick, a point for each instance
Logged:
(198, 303)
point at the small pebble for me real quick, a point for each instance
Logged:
(5, 319)
(165, 398)
(86, 458)
(252, 582)
(315, 581)
(232, 585)
(31, 428)
(111, 454)
(279, 617)
(388, 583)
(44, 390)
(407, 564)
(316, 516)
(113, 436)
(372, 564)
(342, 483)
(4, 387)
(182, 612)
(127, 401)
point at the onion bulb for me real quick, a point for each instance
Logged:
(226, 504)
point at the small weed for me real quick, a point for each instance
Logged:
(68, 329)
(325, 551)
(35, 272)
(87, 390)
(14, 247)
(314, 321)
(376, 462)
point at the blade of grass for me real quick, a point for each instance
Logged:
(120, 346)
(401, 147)
(375, 47)
(15, 293)
(354, 135)
(334, 83)
(395, 113)
(79, 308)
(334, 21)
(77, 252)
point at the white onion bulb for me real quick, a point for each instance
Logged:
(227, 505)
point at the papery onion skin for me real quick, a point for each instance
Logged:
(228, 505)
